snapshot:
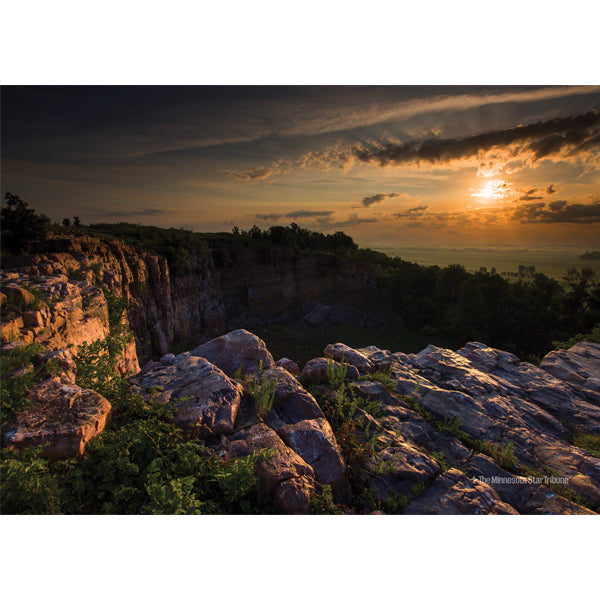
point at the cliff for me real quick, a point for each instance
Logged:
(222, 285)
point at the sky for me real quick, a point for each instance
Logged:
(391, 165)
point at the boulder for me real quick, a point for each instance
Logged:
(291, 401)
(315, 442)
(63, 417)
(203, 397)
(285, 475)
(235, 351)
(316, 369)
(340, 352)
(289, 365)
(578, 368)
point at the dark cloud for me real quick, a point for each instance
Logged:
(269, 216)
(569, 135)
(537, 193)
(354, 219)
(559, 211)
(412, 213)
(530, 194)
(252, 174)
(377, 198)
(557, 204)
(297, 214)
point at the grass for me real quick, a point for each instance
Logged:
(587, 441)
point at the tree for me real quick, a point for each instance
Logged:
(76, 222)
(20, 225)
(66, 222)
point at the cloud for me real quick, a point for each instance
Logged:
(556, 138)
(269, 216)
(377, 198)
(412, 213)
(530, 195)
(354, 219)
(260, 173)
(537, 192)
(300, 214)
(559, 211)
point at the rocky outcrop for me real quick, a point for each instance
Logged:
(62, 418)
(62, 314)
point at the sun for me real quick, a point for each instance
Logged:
(493, 190)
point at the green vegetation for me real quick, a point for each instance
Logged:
(262, 390)
(354, 434)
(593, 336)
(384, 377)
(336, 373)
(587, 441)
(141, 463)
(20, 370)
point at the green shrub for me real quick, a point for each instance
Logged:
(587, 441)
(262, 390)
(14, 389)
(336, 373)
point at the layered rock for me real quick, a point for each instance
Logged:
(61, 418)
(66, 314)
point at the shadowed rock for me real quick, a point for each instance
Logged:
(578, 368)
(289, 365)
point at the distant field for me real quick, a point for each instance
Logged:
(551, 262)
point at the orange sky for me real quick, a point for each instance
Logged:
(388, 165)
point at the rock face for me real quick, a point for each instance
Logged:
(66, 314)
(221, 283)
(64, 417)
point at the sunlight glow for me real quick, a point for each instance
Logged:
(495, 189)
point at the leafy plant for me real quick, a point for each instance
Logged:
(322, 503)
(15, 387)
(336, 373)
(262, 390)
